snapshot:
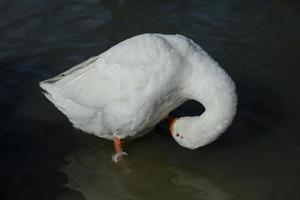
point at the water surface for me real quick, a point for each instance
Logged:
(43, 157)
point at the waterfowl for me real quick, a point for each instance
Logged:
(125, 91)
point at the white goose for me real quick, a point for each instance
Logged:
(128, 89)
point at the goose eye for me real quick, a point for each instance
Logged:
(177, 135)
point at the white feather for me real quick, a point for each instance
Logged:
(132, 86)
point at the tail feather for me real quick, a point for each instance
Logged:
(50, 94)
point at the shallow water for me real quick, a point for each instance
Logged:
(43, 157)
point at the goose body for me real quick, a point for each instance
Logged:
(125, 91)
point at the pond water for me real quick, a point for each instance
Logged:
(43, 157)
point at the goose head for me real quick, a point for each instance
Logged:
(210, 85)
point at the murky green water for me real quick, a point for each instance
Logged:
(43, 157)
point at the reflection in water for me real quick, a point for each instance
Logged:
(89, 174)
(206, 189)
(93, 175)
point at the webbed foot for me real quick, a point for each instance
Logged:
(118, 156)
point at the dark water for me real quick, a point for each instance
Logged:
(43, 157)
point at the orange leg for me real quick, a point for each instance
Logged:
(118, 148)
(118, 144)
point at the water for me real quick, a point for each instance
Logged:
(43, 157)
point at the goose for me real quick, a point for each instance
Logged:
(125, 91)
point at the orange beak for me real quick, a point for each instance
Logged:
(171, 121)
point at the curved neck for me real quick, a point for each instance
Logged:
(214, 89)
